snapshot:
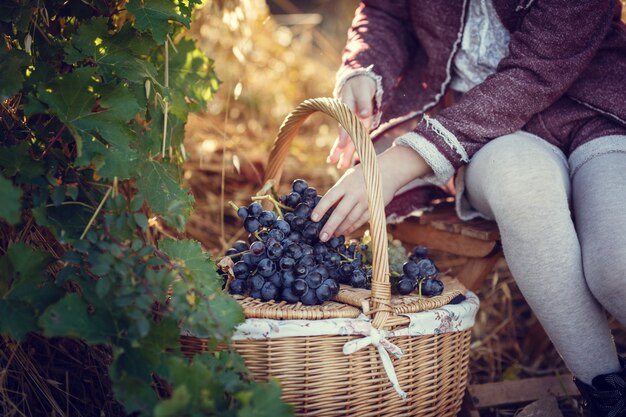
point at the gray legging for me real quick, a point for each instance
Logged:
(566, 272)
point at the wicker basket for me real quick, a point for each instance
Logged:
(317, 377)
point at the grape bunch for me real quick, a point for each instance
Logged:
(420, 273)
(283, 258)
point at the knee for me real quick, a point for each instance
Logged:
(605, 271)
(523, 175)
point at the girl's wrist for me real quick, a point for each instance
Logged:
(400, 165)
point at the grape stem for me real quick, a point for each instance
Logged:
(276, 203)
(233, 206)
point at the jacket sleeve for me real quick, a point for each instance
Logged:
(556, 41)
(379, 45)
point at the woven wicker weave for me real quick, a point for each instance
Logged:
(317, 378)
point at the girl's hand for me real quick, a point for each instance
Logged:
(398, 166)
(358, 94)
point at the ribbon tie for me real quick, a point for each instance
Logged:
(377, 338)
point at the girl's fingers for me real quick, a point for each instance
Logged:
(328, 200)
(335, 152)
(360, 222)
(353, 217)
(346, 157)
(342, 210)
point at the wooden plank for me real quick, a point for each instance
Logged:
(448, 224)
(522, 391)
(457, 244)
(475, 270)
(481, 229)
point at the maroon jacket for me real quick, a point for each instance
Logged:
(558, 48)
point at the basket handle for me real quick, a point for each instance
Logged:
(381, 290)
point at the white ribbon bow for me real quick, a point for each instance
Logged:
(378, 338)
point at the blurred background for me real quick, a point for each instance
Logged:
(270, 56)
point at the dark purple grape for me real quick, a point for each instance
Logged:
(298, 222)
(323, 293)
(275, 279)
(294, 251)
(256, 282)
(257, 247)
(299, 287)
(302, 210)
(240, 246)
(420, 252)
(300, 271)
(294, 236)
(283, 226)
(358, 279)
(269, 292)
(314, 279)
(334, 259)
(287, 278)
(286, 263)
(251, 224)
(264, 235)
(323, 271)
(241, 270)
(255, 293)
(266, 267)
(289, 216)
(332, 284)
(405, 286)
(432, 287)
(311, 230)
(267, 218)
(274, 251)
(334, 242)
(299, 186)
(308, 201)
(242, 212)
(276, 234)
(307, 261)
(309, 298)
(251, 260)
(411, 269)
(320, 250)
(318, 198)
(307, 249)
(292, 199)
(309, 192)
(346, 270)
(238, 286)
(231, 252)
(255, 209)
(427, 268)
(289, 296)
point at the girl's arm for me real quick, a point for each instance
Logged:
(380, 44)
(554, 45)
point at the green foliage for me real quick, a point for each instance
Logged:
(91, 148)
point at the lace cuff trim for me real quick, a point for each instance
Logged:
(442, 168)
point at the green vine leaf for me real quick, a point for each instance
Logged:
(122, 54)
(189, 253)
(12, 66)
(17, 319)
(23, 289)
(11, 197)
(71, 317)
(159, 182)
(154, 15)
